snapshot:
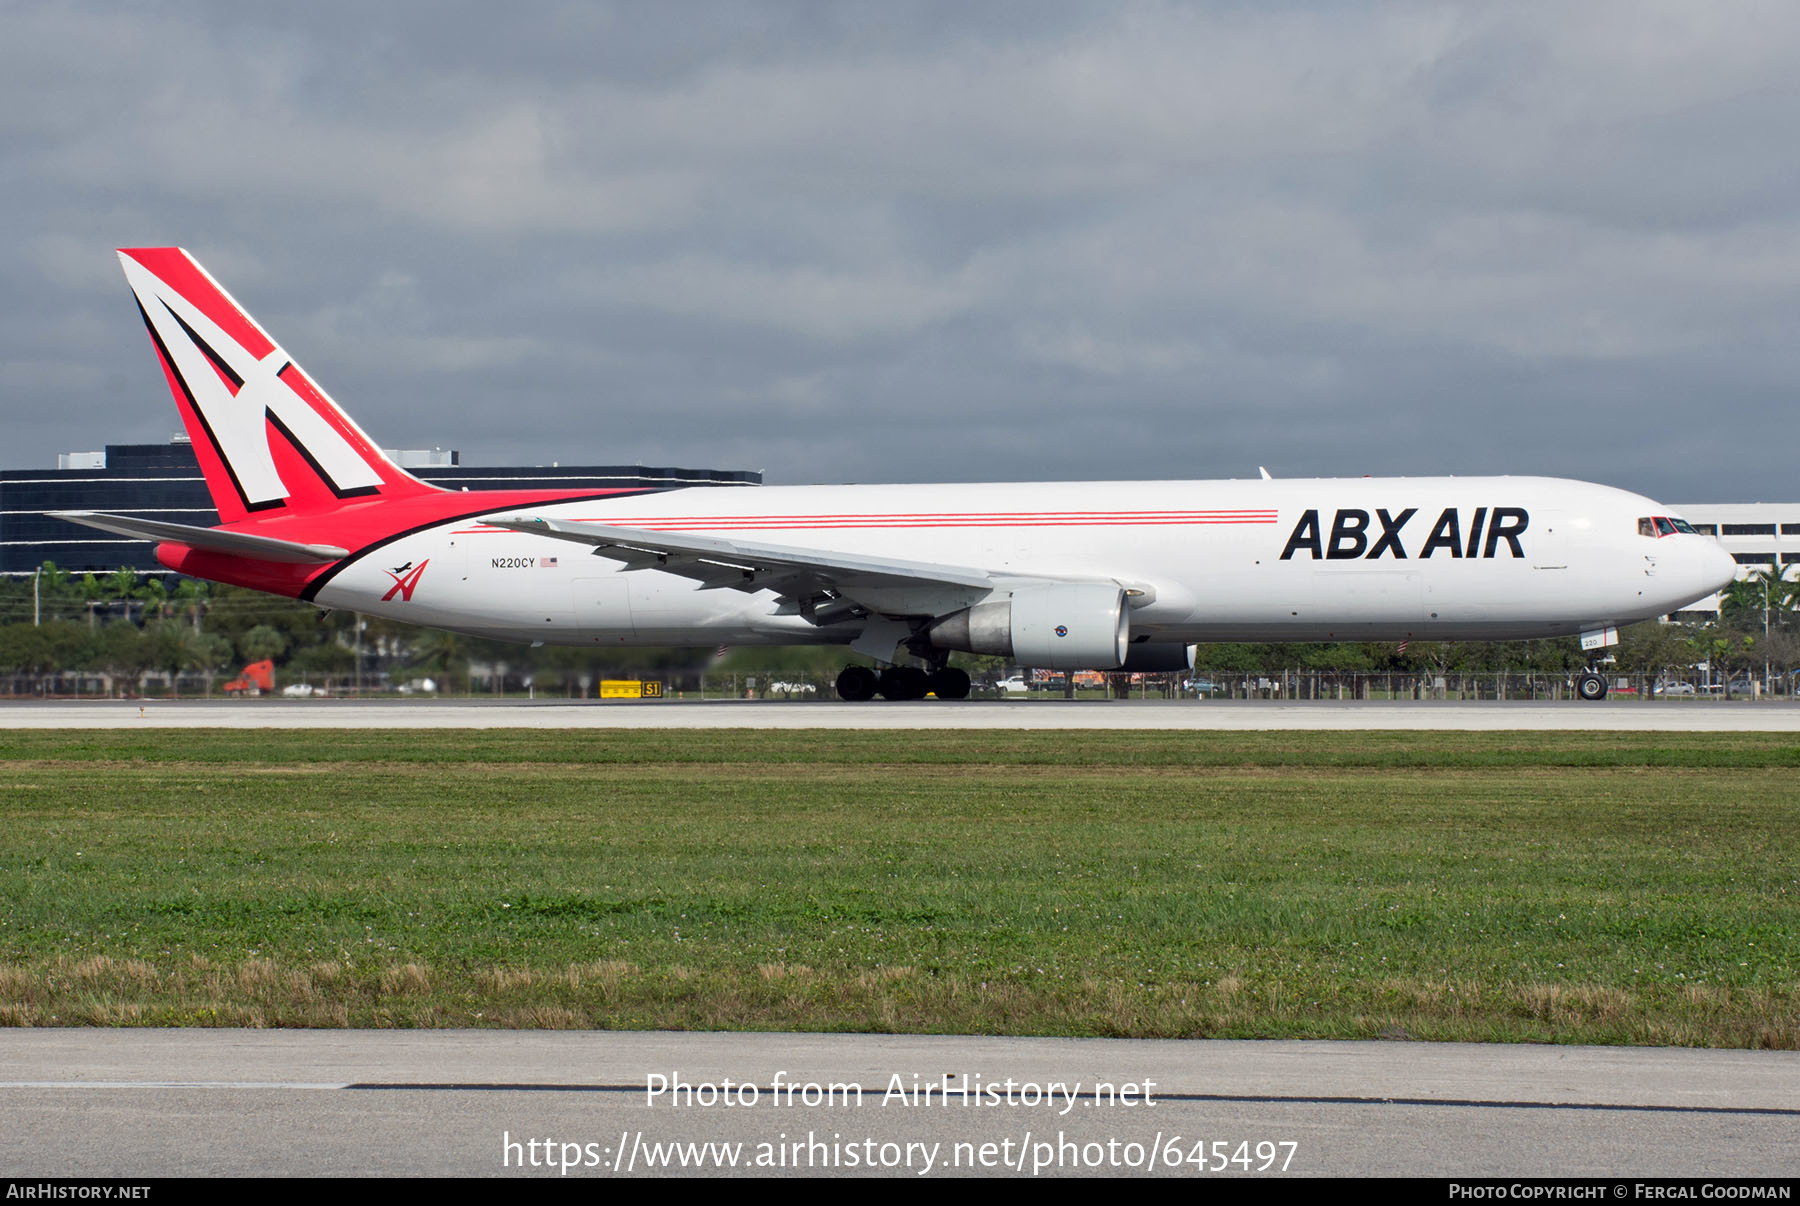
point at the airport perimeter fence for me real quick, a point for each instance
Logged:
(1491, 686)
(1197, 686)
(1309, 685)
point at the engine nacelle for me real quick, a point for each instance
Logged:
(1158, 657)
(1069, 626)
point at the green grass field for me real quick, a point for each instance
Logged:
(1604, 888)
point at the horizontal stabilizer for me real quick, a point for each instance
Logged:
(217, 540)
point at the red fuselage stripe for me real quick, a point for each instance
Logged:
(799, 522)
(892, 527)
(899, 515)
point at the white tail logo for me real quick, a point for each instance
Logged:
(204, 357)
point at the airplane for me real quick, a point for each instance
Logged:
(1058, 575)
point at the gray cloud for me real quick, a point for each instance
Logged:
(932, 242)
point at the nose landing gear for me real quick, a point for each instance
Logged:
(1590, 686)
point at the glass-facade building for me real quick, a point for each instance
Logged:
(162, 481)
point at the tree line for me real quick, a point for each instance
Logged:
(164, 632)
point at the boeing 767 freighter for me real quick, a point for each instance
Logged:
(1060, 575)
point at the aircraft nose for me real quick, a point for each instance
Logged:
(1717, 569)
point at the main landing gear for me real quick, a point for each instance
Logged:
(858, 683)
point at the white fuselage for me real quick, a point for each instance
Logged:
(1271, 560)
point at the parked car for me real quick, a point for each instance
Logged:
(1199, 686)
(1674, 687)
(1014, 685)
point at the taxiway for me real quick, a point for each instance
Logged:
(1626, 716)
(133, 1102)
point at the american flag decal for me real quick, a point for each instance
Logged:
(546, 563)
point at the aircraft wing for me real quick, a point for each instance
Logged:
(798, 574)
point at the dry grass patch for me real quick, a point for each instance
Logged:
(542, 1017)
(258, 976)
(604, 974)
(18, 984)
(107, 1013)
(328, 975)
(503, 979)
(408, 979)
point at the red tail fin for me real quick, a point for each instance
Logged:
(268, 440)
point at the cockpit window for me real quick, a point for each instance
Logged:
(1663, 525)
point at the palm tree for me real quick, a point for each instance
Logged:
(155, 595)
(1777, 603)
(1780, 593)
(120, 586)
(190, 596)
(121, 583)
(1720, 649)
(1740, 602)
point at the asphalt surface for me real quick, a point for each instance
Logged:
(1675, 716)
(502, 1103)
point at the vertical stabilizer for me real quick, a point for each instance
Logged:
(269, 441)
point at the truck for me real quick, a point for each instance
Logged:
(254, 679)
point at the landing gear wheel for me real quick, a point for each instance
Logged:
(1590, 686)
(856, 683)
(901, 682)
(949, 683)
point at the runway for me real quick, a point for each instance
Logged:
(127, 1102)
(1698, 716)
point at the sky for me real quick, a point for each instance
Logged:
(932, 241)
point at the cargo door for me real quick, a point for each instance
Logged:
(603, 609)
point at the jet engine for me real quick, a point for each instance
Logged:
(1066, 626)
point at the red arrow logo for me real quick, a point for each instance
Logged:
(404, 586)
